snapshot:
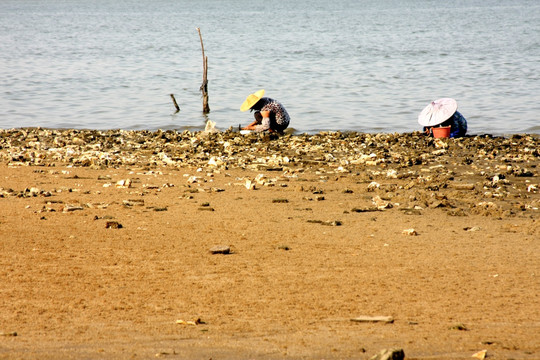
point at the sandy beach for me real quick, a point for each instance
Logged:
(177, 245)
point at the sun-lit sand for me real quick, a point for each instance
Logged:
(106, 239)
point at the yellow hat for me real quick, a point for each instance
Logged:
(251, 100)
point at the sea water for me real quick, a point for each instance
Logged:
(363, 65)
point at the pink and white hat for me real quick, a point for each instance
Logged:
(437, 112)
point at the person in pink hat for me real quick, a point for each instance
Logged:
(441, 113)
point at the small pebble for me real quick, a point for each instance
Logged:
(220, 249)
(385, 319)
(410, 232)
(113, 225)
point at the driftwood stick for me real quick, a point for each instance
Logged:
(175, 103)
(204, 85)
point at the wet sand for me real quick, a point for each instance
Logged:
(106, 240)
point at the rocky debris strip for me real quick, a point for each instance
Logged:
(483, 175)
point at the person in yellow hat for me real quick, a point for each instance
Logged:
(269, 114)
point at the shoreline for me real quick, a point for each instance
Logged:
(107, 239)
(290, 131)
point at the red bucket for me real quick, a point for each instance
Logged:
(441, 132)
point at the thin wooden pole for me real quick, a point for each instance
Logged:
(175, 103)
(204, 85)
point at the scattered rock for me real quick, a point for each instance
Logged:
(220, 249)
(391, 354)
(487, 208)
(410, 232)
(365, 209)
(371, 319)
(206, 208)
(13, 333)
(113, 225)
(332, 223)
(409, 211)
(164, 353)
(280, 201)
(381, 204)
(523, 173)
(457, 212)
(250, 185)
(190, 322)
(460, 327)
(210, 127)
(71, 208)
(124, 183)
(488, 342)
(133, 202)
(373, 186)
(480, 355)
(327, 223)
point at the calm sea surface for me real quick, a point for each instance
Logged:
(365, 65)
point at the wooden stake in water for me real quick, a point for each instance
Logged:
(175, 104)
(204, 86)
